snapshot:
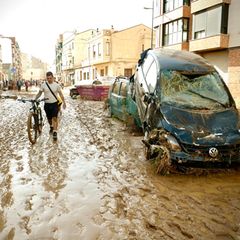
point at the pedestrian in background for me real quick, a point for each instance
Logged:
(26, 85)
(19, 84)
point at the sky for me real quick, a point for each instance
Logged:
(36, 24)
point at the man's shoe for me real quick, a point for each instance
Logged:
(51, 130)
(55, 136)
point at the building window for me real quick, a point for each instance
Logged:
(102, 72)
(170, 5)
(107, 48)
(175, 32)
(99, 49)
(127, 72)
(94, 51)
(89, 53)
(211, 22)
(199, 34)
(106, 70)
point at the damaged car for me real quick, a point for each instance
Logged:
(120, 103)
(188, 115)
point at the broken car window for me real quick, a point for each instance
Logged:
(196, 91)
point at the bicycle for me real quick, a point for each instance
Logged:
(35, 119)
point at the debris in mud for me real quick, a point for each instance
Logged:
(3, 96)
(157, 151)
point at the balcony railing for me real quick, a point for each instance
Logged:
(220, 41)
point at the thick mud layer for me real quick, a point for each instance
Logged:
(94, 183)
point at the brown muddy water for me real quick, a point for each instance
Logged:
(94, 183)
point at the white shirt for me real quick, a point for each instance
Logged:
(55, 87)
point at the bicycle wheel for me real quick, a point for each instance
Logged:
(32, 127)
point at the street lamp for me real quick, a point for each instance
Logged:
(152, 8)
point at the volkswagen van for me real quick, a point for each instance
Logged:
(185, 102)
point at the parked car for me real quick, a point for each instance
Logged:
(187, 112)
(73, 92)
(120, 102)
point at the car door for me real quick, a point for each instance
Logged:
(122, 100)
(146, 80)
(113, 98)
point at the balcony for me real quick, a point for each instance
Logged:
(178, 46)
(198, 5)
(216, 42)
(182, 12)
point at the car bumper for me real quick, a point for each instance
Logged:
(204, 160)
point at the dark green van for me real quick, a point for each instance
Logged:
(120, 102)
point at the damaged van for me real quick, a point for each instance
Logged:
(188, 115)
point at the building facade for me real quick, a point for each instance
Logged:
(98, 54)
(116, 53)
(10, 59)
(207, 27)
(33, 68)
(58, 59)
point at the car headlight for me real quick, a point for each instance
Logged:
(173, 143)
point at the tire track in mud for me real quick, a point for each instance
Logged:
(12, 141)
(137, 204)
(44, 187)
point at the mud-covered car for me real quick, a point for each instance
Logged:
(120, 102)
(187, 112)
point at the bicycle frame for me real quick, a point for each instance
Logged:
(35, 120)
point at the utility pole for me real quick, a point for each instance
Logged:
(152, 8)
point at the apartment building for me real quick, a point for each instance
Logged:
(83, 59)
(33, 68)
(72, 56)
(207, 27)
(116, 53)
(10, 56)
(16, 60)
(96, 54)
(58, 58)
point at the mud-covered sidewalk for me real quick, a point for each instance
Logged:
(94, 183)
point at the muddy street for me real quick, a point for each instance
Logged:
(94, 183)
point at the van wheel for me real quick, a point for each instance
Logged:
(163, 161)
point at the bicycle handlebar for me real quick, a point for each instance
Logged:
(32, 100)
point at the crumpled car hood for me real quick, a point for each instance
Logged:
(202, 127)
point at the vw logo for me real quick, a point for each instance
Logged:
(213, 152)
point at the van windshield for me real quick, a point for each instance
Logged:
(195, 91)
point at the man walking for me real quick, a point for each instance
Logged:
(52, 91)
